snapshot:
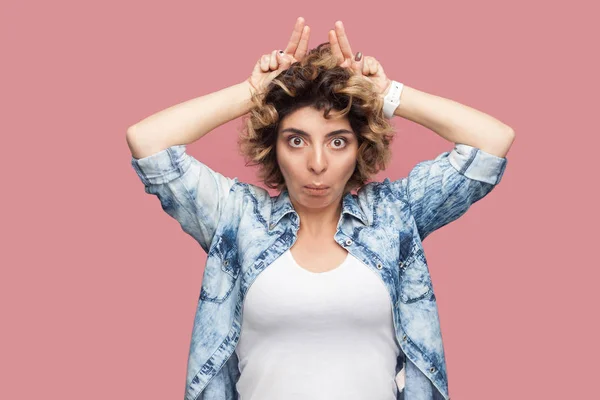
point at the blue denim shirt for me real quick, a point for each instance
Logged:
(243, 230)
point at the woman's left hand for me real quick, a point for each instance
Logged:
(368, 66)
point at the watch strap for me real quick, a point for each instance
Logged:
(391, 101)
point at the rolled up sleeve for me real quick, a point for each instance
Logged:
(188, 190)
(439, 191)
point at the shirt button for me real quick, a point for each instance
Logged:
(348, 242)
(226, 262)
(271, 226)
(432, 369)
(404, 337)
(379, 266)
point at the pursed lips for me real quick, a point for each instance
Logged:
(317, 187)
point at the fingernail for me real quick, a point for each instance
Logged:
(358, 56)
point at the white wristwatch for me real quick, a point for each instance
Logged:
(392, 100)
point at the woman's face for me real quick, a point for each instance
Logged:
(314, 151)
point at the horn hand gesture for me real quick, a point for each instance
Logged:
(368, 66)
(271, 65)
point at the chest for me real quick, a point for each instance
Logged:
(249, 245)
(318, 255)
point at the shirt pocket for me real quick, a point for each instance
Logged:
(221, 271)
(415, 282)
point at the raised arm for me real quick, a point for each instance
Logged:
(451, 120)
(187, 122)
(439, 190)
(189, 190)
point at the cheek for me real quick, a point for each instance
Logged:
(350, 170)
(350, 161)
(285, 164)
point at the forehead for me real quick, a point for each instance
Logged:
(312, 120)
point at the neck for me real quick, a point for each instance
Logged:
(319, 222)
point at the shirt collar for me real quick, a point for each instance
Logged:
(281, 205)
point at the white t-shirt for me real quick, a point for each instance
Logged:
(309, 335)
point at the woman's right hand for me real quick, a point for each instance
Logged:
(271, 65)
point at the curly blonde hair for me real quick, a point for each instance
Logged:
(317, 81)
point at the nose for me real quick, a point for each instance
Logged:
(317, 161)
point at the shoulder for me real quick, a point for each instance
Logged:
(386, 191)
(385, 202)
(254, 196)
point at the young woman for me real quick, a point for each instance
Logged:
(317, 293)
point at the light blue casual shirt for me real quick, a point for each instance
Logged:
(243, 230)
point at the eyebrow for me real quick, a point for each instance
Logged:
(301, 132)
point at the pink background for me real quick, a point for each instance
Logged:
(99, 286)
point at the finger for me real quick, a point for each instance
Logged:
(335, 46)
(366, 70)
(373, 64)
(273, 61)
(296, 37)
(303, 45)
(284, 60)
(343, 40)
(359, 66)
(380, 72)
(378, 69)
(264, 63)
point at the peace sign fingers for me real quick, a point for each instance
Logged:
(340, 48)
(335, 49)
(342, 40)
(298, 45)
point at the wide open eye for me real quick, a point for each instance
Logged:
(294, 139)
(337, 140)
